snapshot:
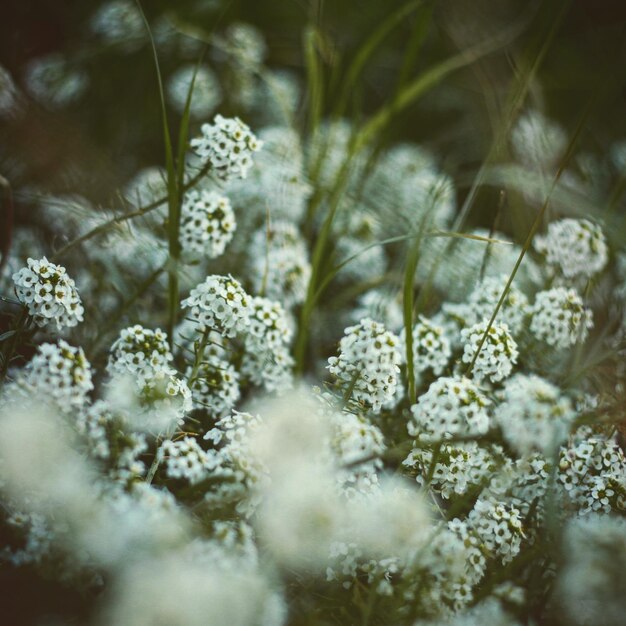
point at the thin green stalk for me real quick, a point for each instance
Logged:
(531, 234)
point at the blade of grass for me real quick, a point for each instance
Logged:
(173, 194)
(367, 49)
(531, 233)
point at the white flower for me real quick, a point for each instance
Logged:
(207, 224)
(451, 407)
(559, 317)
(576, 248)
(49, 294)
(215, 386)
(534, 415)
(184, 459)
(206, 95)
(53, 82)
(497, 354)
(141, 352)
(220, 304)
(228, 145)
(431, 348)
(368, 363)
(58, 373)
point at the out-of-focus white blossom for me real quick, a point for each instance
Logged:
(206, 95)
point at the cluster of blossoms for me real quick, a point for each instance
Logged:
(49, 294)
(560, 318)
(431, 347)
(533, 414)
(140, 352)
(207, 224)
(215, 386)
(457, 469)
(279, 263)
(266, 361)
(227, 145)
(575, 248)
(206, 94)
(451, 407)
(185, 460)
(220, 304)
(494, 359)
(59, 374)
(368, 362)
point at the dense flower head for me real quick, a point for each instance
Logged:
(269, 326)
(368, 362)
(215, 386)
(592, 474)
(206, 94)
(482, 302)
(537, 141)
(59, 373)
(431, 348)
(574, 248)
(534, 415)
(49, 294)
(497, 354)
(245, 44)
(458, 468)
(380, 304)
(271, 369)
(499, 526)
(560, 318)
(220, 304)
(53, 82)
(591, 587)
(228, 145)
(451, 407)
(279, 263)
(117, 21)
(184, 459)
(207, 224)
(141, 352)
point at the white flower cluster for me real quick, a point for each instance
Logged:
(482, 302)
(533, 414)
(49, 294)
(164, 400)
(206, 94)
(92, 424)
(592, 474)
(53, 82)
(431, 348)
(499, 526)
(220, 304)
(140, 352)
(591, 587)
(458, 468)
(279, 263)
(227, 145)
(368, 363)
(266, 360)
(38, 539)
(537, 141)
(117, 20)
(575, 248)
(215, 386)
(58, 373)
(560, 318)
(185, 460)
(497, 354)
(451, 407)
(207, 224)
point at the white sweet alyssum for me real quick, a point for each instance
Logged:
(451, 407)
(184, 459)
(140, 352)
(49, 294)
(498, 352)
(220, 304)
(207, 224)
(279, 263)
(368, 362)
(575, 248)
(560, 318)
(227, 145)
(58, 373)
(431, 348)
(215, 386)
(534, 415)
